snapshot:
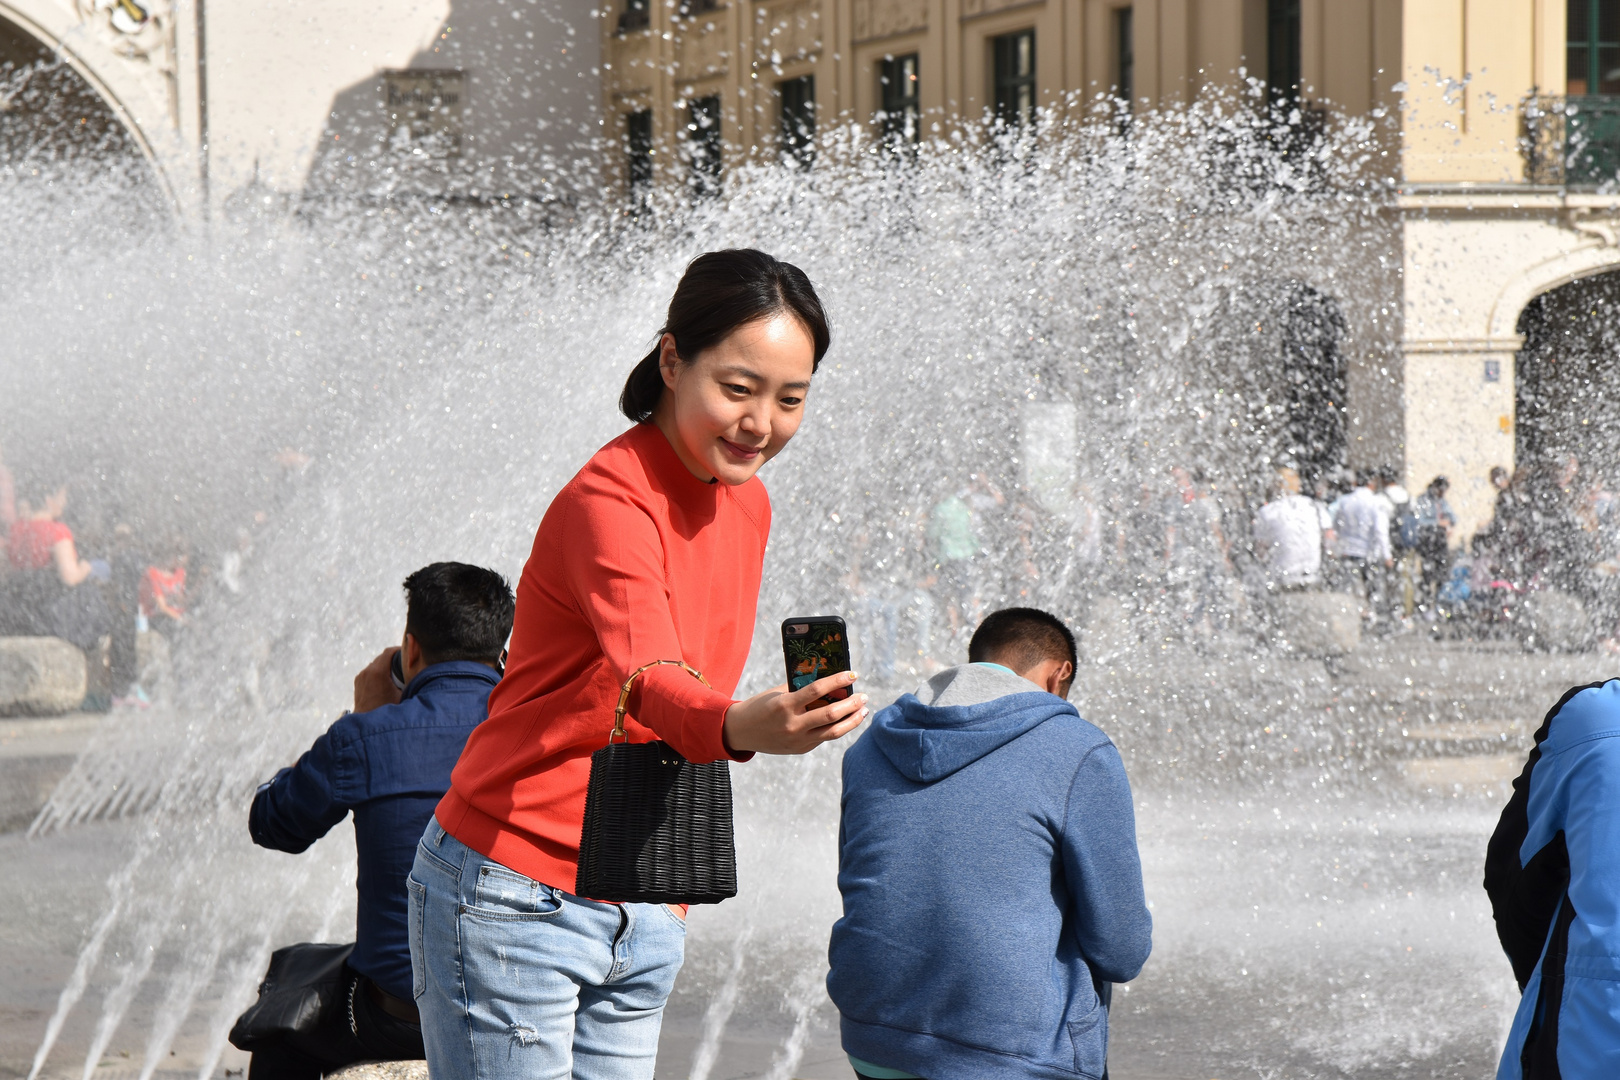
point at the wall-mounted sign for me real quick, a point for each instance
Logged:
(1493, 371)
(425, 111)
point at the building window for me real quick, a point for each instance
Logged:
(638, 148)
(1282, 50)
(425, 111)
(1593, 60)
(692, 8)
(635, 16)
(1014, 61)
(899, 116)
(1124, 55)
(798, 97)
(703, 144)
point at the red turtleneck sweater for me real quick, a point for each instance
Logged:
(636, 560)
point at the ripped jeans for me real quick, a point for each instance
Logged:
(517, 980)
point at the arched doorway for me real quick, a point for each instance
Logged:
(53, 124)
(1568, 378)
(1313, 376)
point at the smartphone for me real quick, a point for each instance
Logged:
(814, 647)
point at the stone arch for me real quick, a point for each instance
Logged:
(1600, 255)
(137, 99)
(1568, 375)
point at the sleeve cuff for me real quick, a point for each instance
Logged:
(686, 714)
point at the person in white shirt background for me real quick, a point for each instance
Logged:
(1361, 528)
(1288, 535)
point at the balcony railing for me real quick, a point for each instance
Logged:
(1572, 141)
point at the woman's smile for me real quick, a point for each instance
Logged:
(739, 451)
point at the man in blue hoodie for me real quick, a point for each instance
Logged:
(388, 762)
(988, 863)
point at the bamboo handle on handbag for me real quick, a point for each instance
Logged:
(624, 694)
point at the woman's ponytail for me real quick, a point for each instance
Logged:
(721, 291)
(644, 387)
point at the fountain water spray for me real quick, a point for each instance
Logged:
(371, 384)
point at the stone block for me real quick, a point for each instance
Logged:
(1556, 621)
(40, 676)
(383, 1070)
(1317, 623)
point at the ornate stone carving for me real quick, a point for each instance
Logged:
(700, 49)
(136, 29)
(787, 32)
(634, 64)
(883, 18)
(985, 7)
(1600, 223)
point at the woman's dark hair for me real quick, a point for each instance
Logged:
(720, 291)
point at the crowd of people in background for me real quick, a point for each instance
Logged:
(1552, 528)
(1186, 557)
(100, 597)
(1202, 560)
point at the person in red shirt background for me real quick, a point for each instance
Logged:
(652, 552)
(8, 509)
(163, 586)
(51, 590)
(40, 541)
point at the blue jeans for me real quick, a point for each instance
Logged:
(518, 980)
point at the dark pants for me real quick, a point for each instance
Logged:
(355, 1029)
(1433, 549)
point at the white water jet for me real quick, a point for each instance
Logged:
(718, 1013)
(390, 384)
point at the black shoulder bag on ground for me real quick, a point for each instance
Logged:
(657, 827)
(303, 982)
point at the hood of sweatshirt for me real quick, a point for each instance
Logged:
(959, 716)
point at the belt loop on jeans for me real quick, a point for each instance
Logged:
(439, 838)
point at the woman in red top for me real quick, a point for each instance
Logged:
(652, 552)
(39, 541)
(51, 592)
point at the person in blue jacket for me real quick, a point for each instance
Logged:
(988, 863)
(388, 762)
(1552, 871)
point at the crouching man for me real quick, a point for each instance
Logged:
(388, 762)
(988, 864)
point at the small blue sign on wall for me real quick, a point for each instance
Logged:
(1493, 371)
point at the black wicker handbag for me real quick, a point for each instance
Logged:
(657, 827)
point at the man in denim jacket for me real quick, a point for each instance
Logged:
(388, 762)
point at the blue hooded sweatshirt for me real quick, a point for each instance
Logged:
(988, 863)
(1553, 874)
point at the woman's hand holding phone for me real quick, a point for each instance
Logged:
(780, 721)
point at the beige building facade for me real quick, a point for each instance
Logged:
(1494, 209)
(222, 97)
(1505, 154)
(1501, 202)
(660, 56)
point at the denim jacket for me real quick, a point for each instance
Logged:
(390, 766)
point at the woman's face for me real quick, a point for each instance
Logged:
(737, 403)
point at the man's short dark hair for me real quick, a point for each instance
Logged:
(1022, 638)
(458, 612)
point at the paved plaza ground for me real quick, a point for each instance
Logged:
(1318, 909)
